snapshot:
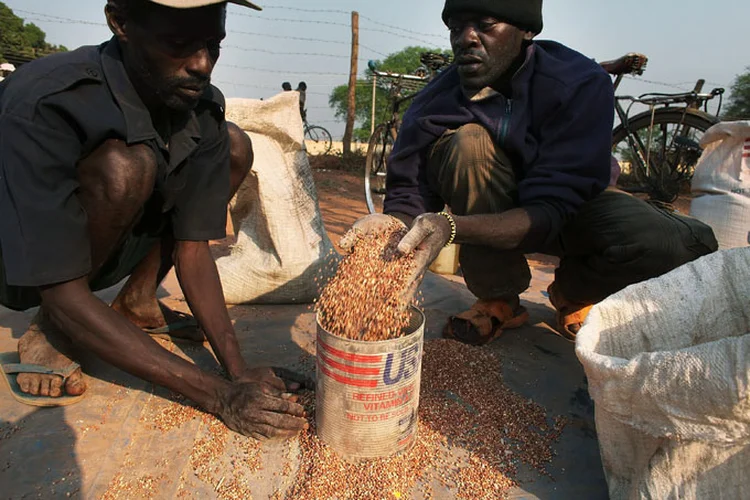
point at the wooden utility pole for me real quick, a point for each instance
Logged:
(352, 104)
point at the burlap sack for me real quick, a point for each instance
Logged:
(721, 184)
(282, 245)
(668, 364)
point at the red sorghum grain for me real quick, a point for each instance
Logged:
(473, 433)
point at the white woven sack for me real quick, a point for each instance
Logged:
(668, 365)
(282, 245)
(721, 183)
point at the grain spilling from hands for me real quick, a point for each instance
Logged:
(366, 299)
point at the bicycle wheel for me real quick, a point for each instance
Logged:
(321, 137)
(376, 163)
(660, 160)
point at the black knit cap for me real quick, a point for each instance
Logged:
(523, 14)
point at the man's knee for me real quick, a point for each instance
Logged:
(470, 145)
(471, 173)
(118, 174)
(241, 154)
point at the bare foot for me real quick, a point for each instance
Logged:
(45, 345)
(154, 314)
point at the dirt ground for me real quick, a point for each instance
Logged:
(130, 439)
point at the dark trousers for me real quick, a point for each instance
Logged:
(615, 240)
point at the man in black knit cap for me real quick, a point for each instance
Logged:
(515, 138)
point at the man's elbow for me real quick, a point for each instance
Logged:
(186, 253)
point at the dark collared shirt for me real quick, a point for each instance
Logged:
(56, 111)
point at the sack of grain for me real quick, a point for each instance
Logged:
(668, 365)
(721, 184)
(282, 245)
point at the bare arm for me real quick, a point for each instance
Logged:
(106, 333)
(200, 283)
(252, 408)
(505, 231)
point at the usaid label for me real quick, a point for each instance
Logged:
(369, 371)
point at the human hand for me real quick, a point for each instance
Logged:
(428, 235)
(258, 410)
(280, 379)
(369, 224)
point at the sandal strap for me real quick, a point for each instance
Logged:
(481, 316)
(43, 370)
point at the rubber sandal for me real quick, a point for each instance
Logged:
(9, 369)
(568, 313)
(164, 332)
(484, 322)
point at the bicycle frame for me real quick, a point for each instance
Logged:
(642, 152)
(395, 95)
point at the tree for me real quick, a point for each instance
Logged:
(405, 61)
(738, 107)
(22, 42)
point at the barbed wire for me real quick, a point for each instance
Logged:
(284, 72)
(289, 20)
(346, 12)
(263, 87)
(368, 19)
(66, 20)
(333, 23)
(273, 52)
(58, 18)
(676, 86)
(49, 18)
(313, 11)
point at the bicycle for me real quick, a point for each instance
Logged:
(319, 135)
(315, 133)
(659, 148)
(384, 135)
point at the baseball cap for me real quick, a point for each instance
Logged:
(192, 4)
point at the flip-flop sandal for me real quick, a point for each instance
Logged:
(163, 332)
(484, 322)
(10, 370)
(568, 313)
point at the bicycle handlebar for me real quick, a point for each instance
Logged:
(398, 76)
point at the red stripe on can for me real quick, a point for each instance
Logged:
(347, 380)
(354, 370)
(357, 358)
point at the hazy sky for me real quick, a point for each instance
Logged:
(684, 39)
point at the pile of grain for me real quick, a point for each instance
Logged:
(366, 299)
(473, 433)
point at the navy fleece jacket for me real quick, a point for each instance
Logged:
(556, 129)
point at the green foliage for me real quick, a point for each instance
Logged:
(405, 61)
(19, 41)
(34, 36)
(738, 107)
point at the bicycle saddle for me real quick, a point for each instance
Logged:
(629, 64)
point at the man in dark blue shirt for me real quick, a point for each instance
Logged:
(515, 137)
(117, 161)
